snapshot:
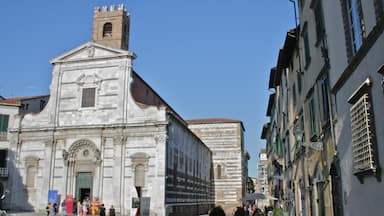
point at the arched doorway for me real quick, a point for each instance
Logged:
(83, 166)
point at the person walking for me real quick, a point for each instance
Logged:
(112, 211)
(217, 211)
(63, 209)
(102, 210)
(48, 209)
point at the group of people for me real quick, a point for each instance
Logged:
(242, 211)
(80, 208)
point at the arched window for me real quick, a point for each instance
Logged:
(139, 175)
(107, 30)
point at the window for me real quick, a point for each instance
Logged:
(306, 46)
(318, 11)
(362, 134)
(356, 23)
(294, 94)
(353, 25)
(107, 30)
(312, 115)
(325, 98)
(4, 119)
(88, 97)
(219, 174)
(139, 175)
(299, 82)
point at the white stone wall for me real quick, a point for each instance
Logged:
(225, 142)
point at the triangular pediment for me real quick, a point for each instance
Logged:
(89, 51)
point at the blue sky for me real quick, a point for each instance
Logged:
(206, 58)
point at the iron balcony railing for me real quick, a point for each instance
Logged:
(4, 172)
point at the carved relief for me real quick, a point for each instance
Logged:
(92, 79)
(160, 138)
(91, 51)
(84, 150)
(119, 140)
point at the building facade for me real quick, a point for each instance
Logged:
(229, 158)
(355, 43)
(328, 90)
(105, 134)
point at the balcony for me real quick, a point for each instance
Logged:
(3, 172)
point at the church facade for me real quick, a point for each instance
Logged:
(105, 134)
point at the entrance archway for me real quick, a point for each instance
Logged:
(83, 166)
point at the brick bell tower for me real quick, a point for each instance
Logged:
(111, 26)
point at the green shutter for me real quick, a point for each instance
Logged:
(4, 123)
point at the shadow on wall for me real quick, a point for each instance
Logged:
(16, 200)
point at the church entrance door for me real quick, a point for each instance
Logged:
(84, 185)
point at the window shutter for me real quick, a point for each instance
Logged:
(362, 135)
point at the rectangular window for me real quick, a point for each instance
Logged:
(325, 98)
(88, 97)
(306, 49)
(356, 24)
(318, 12)
(362, 134)
(312, 115)
(4, 119)
(294, 94)
(299, 82)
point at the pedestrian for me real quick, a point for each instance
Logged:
(79, 207)
(74, 207)
(48, 208)
(55, 208)
(239, 211)
(217, 211)
(245, 210)
(63, 208)
(112, 211)
(102, 210)
(84, 208)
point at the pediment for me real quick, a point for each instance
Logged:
(89, 51)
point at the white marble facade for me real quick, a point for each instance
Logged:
(107, 141)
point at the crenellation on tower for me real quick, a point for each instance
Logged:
(111, 26)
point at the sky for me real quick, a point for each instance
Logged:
(206, 58)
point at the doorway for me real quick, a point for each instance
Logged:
(84, 185)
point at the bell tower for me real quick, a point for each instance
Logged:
(111, 26)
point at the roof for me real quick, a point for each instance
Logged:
(18, 100)
(265, 130)
(286, 52)
(271, 102)
(214, 121)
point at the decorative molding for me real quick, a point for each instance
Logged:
(160, 138)
(84, 147)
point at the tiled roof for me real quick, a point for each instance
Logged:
(17, 100)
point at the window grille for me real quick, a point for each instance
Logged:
(362, 135)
